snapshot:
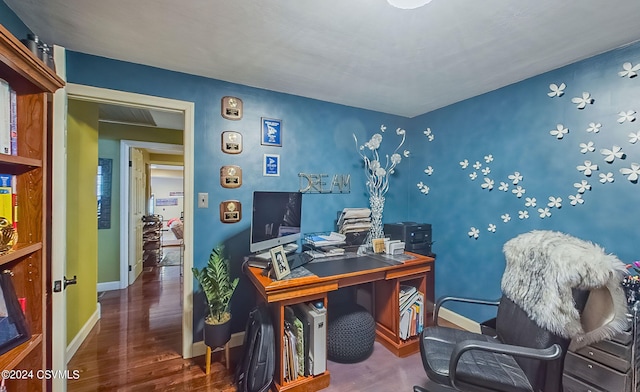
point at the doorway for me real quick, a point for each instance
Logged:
(112, 97)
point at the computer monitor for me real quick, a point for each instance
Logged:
(275, 219)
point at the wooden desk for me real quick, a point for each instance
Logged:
(385, 293)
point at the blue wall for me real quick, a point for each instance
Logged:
(513, 125)
(317, 138)
(11, 22)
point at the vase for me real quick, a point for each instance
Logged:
(376, 204)
(217, 335)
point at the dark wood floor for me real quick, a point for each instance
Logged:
(136, 347)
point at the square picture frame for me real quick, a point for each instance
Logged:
(270, 132)
(13, 324)
(271, 165)
(279, 263)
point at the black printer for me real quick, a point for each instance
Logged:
(416, 236)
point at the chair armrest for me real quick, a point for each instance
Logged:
(477, 301)
(546, 354)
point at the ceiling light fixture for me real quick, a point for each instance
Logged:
(408, 4)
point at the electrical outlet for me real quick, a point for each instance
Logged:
(203, 200)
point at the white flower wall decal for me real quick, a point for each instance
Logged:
(559, 132)
(430, 136)
(474, 233)
(606, 178)
(582, 186)
(423, 188)
(583, 101)
(611, 155)
(488, 184)
(427, 132)
(594, 127)
(576, 199)
(556, 90)
(530, 202)
(518, 191)
(600, 132)
(429, 170)
(629, 70)
(587, 168)
(632, 173)
(544, 212)
(515, 177)
(587, 147)
(554, 202)
(628, 116)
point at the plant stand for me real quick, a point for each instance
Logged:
(208, 361)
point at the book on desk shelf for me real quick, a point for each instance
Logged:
(411, 312)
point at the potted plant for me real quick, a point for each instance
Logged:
(218, 288)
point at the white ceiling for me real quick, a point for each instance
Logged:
(361, 53)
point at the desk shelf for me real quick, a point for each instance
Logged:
(385, 283)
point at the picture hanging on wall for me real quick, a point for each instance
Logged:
(270, 132)
(271, 165)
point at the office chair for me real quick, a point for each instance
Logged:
(546, 288)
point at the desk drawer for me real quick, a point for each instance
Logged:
(617, 349)
(619, 364)
(597, 374)
(570, 384)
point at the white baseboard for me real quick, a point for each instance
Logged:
(83, 333)
(199, 348)
(108, 286)
(459, 320)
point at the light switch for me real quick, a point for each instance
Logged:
(203, 200)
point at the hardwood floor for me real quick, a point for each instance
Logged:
(136, 346)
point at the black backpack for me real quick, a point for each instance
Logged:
(255, 372)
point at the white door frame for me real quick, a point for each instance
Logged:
(59, 218)
(102, 95)
(125, 234)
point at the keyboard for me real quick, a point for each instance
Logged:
(289, 249)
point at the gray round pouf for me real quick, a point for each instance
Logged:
(351, 332)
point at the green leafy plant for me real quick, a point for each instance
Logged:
(217, 286)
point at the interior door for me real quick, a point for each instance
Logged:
(136, 212)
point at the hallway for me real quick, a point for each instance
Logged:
(135, 345)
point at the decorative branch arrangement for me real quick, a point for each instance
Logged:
(378, 175)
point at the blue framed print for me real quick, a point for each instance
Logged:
(271, 165)
(271, 131)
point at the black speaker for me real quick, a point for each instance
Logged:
(416, 236)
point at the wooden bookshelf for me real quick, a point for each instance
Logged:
(29, 262)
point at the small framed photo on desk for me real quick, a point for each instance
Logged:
(279, 262)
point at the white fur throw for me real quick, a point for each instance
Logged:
(542, 268)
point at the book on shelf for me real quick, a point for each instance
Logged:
(5, 117)
(6, 197)
(411, 312)
(13, 121)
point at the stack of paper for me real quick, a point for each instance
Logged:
(354, 220)
(332, 239)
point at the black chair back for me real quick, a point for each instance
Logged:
(514, 326)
